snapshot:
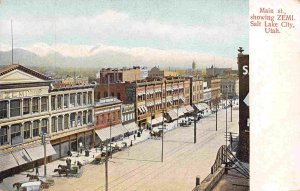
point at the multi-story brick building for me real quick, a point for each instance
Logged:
(108, 120)
(29, 106)
(113, 75)
(155, 72)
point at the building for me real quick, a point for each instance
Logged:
(75, 81)
(144, 72)
(244, 120)
(155, 72)
(108, 120)
(113, 75)
(128, 118)
(215, 85)
(228, 84)
(31, 105)
(213, 71)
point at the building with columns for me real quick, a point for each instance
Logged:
(31, 105)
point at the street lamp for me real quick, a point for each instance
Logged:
(43, 137)
(162, 137)
(195, 133)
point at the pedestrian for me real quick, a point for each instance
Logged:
(37, 171)
(131, 143)
(134, 137)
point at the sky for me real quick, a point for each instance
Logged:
(208, 31)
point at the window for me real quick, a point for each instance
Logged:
(3, 135)
(35, 128)
(102, 118)
(3, 109)
(90, 98)
(44, 104)
(15, 108)
(26, 130)
(84, 98)
(90, 116)
(79, 99)
(66, 122)
(79, 117)
(60, 122)
(35, 105)
(53, 124)
(72, 120)
(44, 125)
(66, 100)
(26, 106)
(72, 100)
(84, 117)
(15, 131)
(59, 101)
(52, 103)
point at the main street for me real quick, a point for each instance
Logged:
(140, 167)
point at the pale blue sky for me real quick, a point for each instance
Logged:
(215, 27)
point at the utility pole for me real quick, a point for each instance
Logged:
(162, 138)
(216, 117)
(195, 133)
(106, 168)
(45, 154)
(231, 110)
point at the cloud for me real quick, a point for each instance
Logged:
(121, 25)
(134, 56)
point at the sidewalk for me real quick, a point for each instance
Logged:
(145, 135)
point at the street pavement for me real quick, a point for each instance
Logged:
(140, 168)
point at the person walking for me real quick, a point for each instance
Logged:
(134, 137)
(37, 171)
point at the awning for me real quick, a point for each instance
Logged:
(7, 161)
(179, 112)
(159, 119)
(131, 127)
(172, 114)
(184, 110)
(37, 152)
(154, 121)
(189, 108)
(202, 106)
(145, 108)
(141, 93)
(21, 156)
(116, 130)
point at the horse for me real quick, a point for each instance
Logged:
(63, 166)
(61, 171)
(79, 164)
(32, 177)
(18, 185)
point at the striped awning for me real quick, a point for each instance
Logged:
(131, 127)
(189, 108)
(21, 156)
(172, 114)
(115, 131)
(7, 161)
(37, 152)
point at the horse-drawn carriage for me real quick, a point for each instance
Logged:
(69, 169)
(34, 184)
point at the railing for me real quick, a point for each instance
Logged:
(220, 159)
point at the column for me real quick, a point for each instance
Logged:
(40, 129)
(76, 115)
(40, 104)
(9, 134)
(93, 97)
(49, 103)
(22, 129)
(63, 122)
(30, 106)
(31, 131)
(8, 109)
(63, 101)
(21, 106)
(81, 98)
(86, 98)
(50, 125)
(69, 100)
(75, 100)
(81, 119)
(56, 123)
(56, 104)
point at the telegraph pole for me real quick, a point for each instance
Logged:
(195, 133)
(45, 154)
(231, 110)
(162, 138)
(106, 168)
(216, 117)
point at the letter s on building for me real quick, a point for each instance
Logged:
(245, 70)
